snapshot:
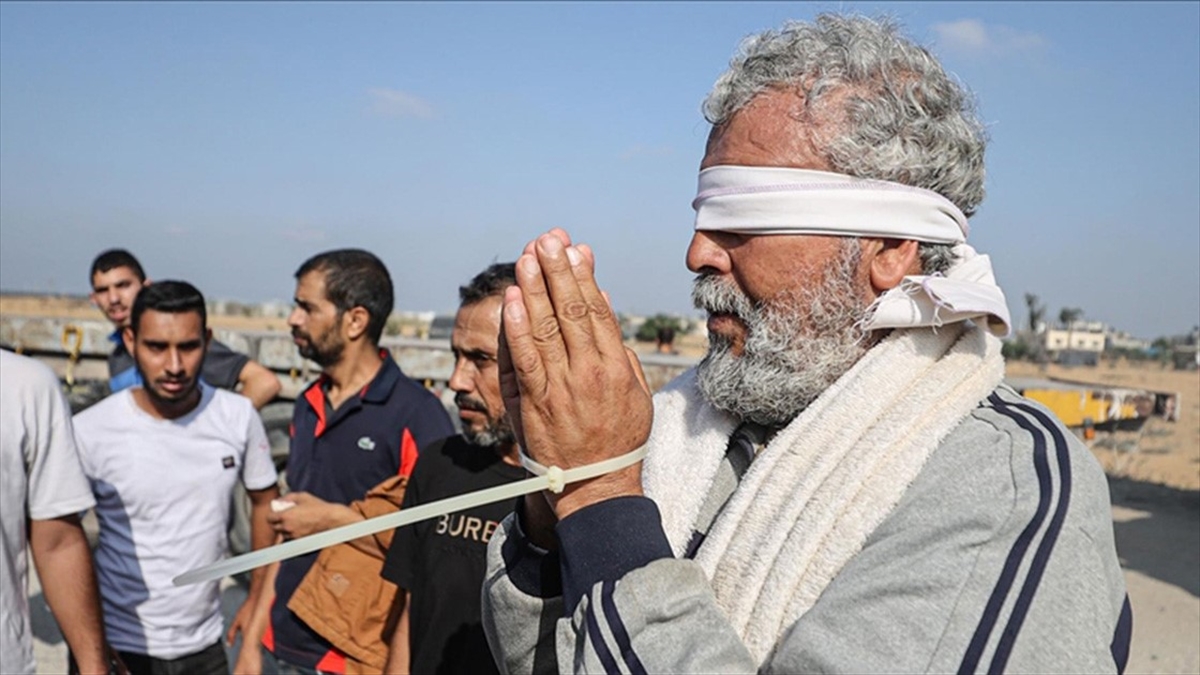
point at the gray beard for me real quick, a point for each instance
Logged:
(797, 343)
(495, 435)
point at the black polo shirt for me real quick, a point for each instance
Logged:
(338, 455)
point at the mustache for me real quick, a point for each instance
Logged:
(174, 379)
(465, 402)
(187, 385)
(720, 296)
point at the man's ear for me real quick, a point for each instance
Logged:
(354, 322)
(127, 338)
(207, 337)
(891, 260)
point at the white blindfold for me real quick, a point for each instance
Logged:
(770, 200)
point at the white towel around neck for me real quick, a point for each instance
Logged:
(818, 490)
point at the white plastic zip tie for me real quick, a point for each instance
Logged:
(548, 478)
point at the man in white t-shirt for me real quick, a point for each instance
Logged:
(163, 459)
(42, 492)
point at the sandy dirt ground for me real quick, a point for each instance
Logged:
(1154, 477)
(50, 649)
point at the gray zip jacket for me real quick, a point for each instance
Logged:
(999, 557)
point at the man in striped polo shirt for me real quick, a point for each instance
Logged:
(363, 421)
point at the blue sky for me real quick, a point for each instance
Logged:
(226, 142)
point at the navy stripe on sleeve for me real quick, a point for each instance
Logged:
(991, 612)
(596, 639)
(1122, 635)
(1042, 556)
(617, 627)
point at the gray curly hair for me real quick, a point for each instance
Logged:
(897, 115)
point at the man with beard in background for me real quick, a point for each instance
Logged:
(439, 564)
(116, 279)
(360, 424)
(162, 458)
(844, 484)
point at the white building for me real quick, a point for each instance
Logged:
(1082, 344)
(1124, 341)
(1076, 339)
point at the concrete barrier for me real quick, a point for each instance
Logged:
(83, 346)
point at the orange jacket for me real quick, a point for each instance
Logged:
(344, 598)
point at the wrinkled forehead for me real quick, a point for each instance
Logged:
(477, 325)
(775, 128)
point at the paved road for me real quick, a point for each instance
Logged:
(1158, 539)
(51, 651)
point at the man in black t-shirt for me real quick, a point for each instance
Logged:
(439, 564)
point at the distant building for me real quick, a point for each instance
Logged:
(1185, 353)
(411, 324)
(1185, 357)
(1058, 339)
(275, 309)
(1081, 344)
(441, 327)
(1121, 341)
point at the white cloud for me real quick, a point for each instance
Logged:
(972, 36)
(640, 150)
(176, 230)
(395, 103)
(966, 34)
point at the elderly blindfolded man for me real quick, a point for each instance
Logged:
(843, 483)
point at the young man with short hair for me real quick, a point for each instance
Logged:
(116, 278)
(162, 459)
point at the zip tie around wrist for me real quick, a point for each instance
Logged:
(546, 478)
(557, 478)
